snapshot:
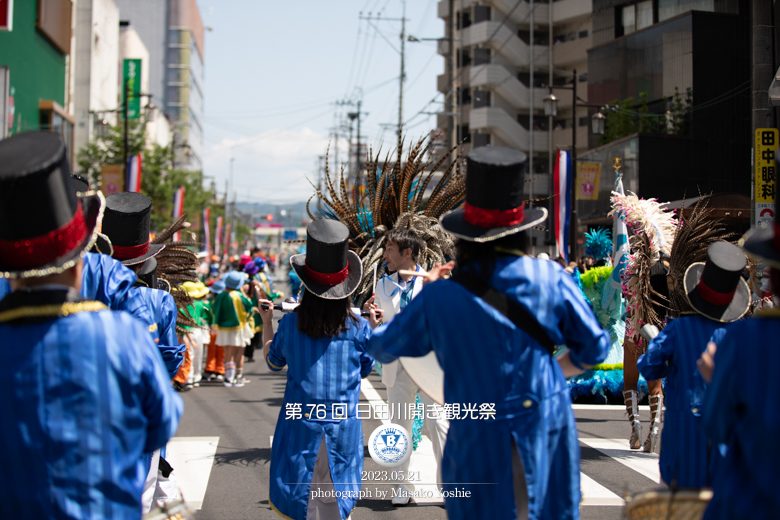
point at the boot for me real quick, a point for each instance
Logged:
(631, 398)
(656, 406)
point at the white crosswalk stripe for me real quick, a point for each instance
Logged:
(192, 459)
(618, 450)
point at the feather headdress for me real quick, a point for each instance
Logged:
(412, 194)
(691, 239)
(598, 244)
(177, 264)
(653, 228)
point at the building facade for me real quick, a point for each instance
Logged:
(94, 79)
(496, 100)
(700, 50)
(173, 33)
(35, 55)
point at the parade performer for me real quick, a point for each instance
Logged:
(393, 294)
(126, 223)
(716, 295)
(232, 313)
(604, 381)
(255, 292)
(83, 390)
(741, 401)
(215, 355)
(200, 311)
(323, 344)
(647, 293)
(512, 379)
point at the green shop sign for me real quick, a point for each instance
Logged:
(131, 93)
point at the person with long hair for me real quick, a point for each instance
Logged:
(512, 450)
(317, 453)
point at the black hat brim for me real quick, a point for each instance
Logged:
(92, 204)
(738, 307)
(454, 223)
(102, 245)
(154, 249)
(761, 245)
(330, 292)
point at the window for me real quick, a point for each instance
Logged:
(54, 118)
(464, 58)
(634, 17)
(481, 98)
(464, 134)
(464, 19)
(583, 77)
(583, 34)
(481, 55)
(464, 96)
(582, 121)
(481, 139)
(481, 13)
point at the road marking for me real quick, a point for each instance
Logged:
(192, 459)
(617, 449)
(594, 494)
(271, 444)
(606, 407)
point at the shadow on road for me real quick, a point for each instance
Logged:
(243, 458)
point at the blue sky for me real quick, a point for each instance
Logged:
(274, 69)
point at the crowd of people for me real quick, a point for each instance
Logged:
(101, 325)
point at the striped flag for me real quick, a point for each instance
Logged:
(620, 241)
(133, 177)
(218, 236)
(227, 238)
(562, 182)
(178, 208)
(207, 232)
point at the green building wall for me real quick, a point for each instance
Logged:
(37, 68)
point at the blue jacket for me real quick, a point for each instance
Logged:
(687, 459)
(164, 313)
(83, 397)
(321, 371)
(108, 281)
(488, 362)
(741, 411)
(5, 288)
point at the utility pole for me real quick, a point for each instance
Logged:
(401, 81)
(127, 127)
(233, 205)
(531, 113)
(762, 75)
(550, 119)
(450, 100)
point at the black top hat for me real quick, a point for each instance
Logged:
(494, 207)
(79, 183)
(147, 277)
(44, 226)
(328, 268)
(126, 223)
(715, 288)
(764, 244)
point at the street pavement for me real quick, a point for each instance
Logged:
(222, 451)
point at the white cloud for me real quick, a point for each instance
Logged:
(272, 166)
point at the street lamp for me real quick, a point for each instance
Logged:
(550, 105)
(597, 122)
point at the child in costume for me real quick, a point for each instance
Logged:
(232, 313)
(215, 355)
(200, 311)
(323, 344)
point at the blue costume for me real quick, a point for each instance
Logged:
(488, 361)
(741, 412)
(164, 313)
(5, 288)
(82, 397)
(108, 281)
(320, 371)
(686, 459)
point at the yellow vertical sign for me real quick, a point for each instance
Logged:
(765, 179)
(112, 178)
(588, 178)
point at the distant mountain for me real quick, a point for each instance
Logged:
(296, 212)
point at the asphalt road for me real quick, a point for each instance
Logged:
(241, 421)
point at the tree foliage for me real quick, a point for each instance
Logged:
(159, 180)
(625, 117)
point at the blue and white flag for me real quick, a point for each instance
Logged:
(613, 297)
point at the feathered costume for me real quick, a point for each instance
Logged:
(604, 382)
(177, 264)
(653, 233)
(397, 195)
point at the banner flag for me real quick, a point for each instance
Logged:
(562, 182)
(133, 178)
(218, 237)
(178, 208)
(207, 233)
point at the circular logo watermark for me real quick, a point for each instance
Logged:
(390, 445)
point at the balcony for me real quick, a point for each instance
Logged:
(498, 79)
(569, 53)
(499, 122)
(564, 11)
(504, 41)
